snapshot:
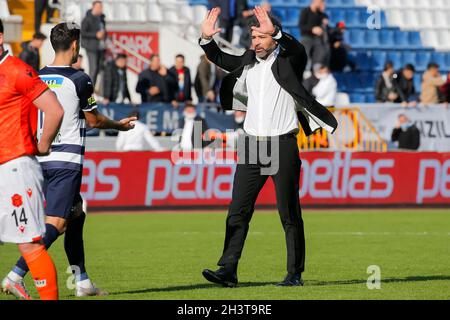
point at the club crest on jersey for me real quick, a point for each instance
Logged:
(40, 283)
(22, 229)
(29, 192)
(17, 200)
(91, 101)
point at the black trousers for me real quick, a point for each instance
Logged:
(248, 182)
(39, 7)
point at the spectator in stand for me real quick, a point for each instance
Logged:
(30, 51)
(313, 80)
(115, 83)
(182, 74)
(313, 27)
(205, 80)
(339, 60)
(138, 138)
(193, 128)
(403, 82)
(445, 91)
(431, 82)
(78, 65)
(384, 88)
(233, 13)
(44, 5)
(156, 84)
(93, 38)
(325, 90)
(406, 134)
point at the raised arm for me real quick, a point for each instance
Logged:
(222, 59)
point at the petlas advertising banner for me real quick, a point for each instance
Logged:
(158, 179)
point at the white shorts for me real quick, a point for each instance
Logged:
(22, 217)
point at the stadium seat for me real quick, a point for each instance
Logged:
(396, 58)
(422, 60)
(379, 60)
(199, 13)
(387, 38)
(357, 38)
(418, 81)
(292, 16)
(408, 57)
(353, 18)
(401, 39)
(414, 40)
(4, 9)
(426, 19)
(372, 39)
(280, 13)
(155, 13)
(440, 59)
(429, 38)
(357, 97)
(440, 19)
(363, 62)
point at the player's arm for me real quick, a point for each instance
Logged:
(222, 59)
(97, 120)
(53, 116)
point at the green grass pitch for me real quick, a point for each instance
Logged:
(161, 255)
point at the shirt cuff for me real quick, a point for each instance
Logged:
(278, 35)
(204, 41)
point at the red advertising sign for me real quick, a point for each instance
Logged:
(149, 179)
(143, 43)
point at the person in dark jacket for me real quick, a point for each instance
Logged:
(406, 134)
(156, 84)
(313, 23)
(182, 74)
(30, 52)
(115, 83)
(233, 12)
(93, 38)
(384, 88)
(339, 59)
(403, 82)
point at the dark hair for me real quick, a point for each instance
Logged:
(432, 65)
(388, 65)
(134, 113)
(409, 67)
(154, 56)
(39, 36)
(253, 21)
(121, 56)
(1, 26)
(96, 2)
(189, 105)
(179, 56)
(63, 34)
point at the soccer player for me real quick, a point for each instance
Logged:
(63, 167)
(21, 196)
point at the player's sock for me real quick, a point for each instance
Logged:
(51, 234)
(74, 246)
(43, 272)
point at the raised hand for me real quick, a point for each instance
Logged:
(127, 124)
(265, 24)
(209, 24)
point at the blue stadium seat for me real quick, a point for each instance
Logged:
(363, 62)
(418, 81)
(295, 32)
(422, 60)
(378, 60)
(357, 97)
(447, 59)
(440, 59)
(396, 58)
(372, 39)
(353, 18)
(340, 81)
(292, 16)
(387, 39)
(367, 81)
(414, 40)
(335, 16)
(357, 38)
(409, 57)
(280, 13)
(370, 97)
(303, 3)
(401, 39)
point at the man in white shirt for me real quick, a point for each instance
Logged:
(325, 90)
(266, 83)
(138, 139)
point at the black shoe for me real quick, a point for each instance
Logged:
(221, 276)
(291, 281)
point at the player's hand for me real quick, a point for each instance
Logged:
(209, 24)
(43, 148)
(127, 124)
(265, 24)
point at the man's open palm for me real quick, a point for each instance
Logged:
(265, 24)
(209, 24)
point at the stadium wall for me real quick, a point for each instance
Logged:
(149, 180)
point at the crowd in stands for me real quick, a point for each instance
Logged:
(324, 44)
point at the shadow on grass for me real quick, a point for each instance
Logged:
(308, 283)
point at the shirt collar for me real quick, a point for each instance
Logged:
(271, 56)
(4, 55)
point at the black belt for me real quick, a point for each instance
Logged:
(269, 138)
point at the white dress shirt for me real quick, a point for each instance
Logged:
(271, 110)
(136, 138)
(186, 135)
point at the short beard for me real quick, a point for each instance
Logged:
(268, 53)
